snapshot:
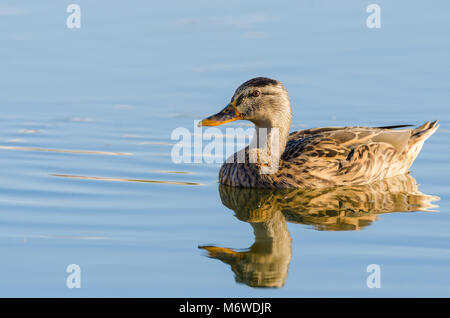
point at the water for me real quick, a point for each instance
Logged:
(87, 177)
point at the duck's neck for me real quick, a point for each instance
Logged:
(272, 236)
(271, 135)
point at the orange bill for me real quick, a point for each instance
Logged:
(226, 115)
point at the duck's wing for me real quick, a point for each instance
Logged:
(337, 142)
(346, 155)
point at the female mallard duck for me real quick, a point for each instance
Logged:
(311, 158)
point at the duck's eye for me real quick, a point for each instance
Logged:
(256, 93)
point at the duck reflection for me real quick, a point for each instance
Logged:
(266, 262)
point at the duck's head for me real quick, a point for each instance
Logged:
(261, 100)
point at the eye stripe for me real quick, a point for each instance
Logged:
(239, 99)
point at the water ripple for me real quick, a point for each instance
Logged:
(124, 179)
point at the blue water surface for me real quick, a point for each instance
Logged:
(87, 114)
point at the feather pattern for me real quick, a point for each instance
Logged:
(325, 157)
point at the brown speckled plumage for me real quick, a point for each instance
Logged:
(319, 157)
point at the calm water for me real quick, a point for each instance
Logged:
(85, 124)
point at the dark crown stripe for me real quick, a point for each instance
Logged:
(260, 82)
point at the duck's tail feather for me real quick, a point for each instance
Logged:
(422, 133)
(416, 140)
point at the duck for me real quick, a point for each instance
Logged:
(312, 158)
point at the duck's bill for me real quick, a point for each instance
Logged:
(226, 115)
